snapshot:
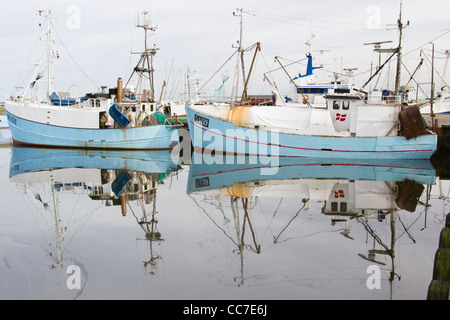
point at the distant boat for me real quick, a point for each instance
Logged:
(352, 124)
(119, 118)
(309, 91)
(441, 103)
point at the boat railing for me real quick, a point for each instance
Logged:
(144, 97)
(26, 100)
(211, 99)
(251, 100)
(300, 98)
(385, 100)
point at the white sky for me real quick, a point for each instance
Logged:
(100, 35)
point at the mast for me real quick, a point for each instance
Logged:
(244, 93)
(241, 49)
(58, 230)
(399, 51)
(145, 65)
(432, 88)
(395, 51)
(241, 52)
(50, 51)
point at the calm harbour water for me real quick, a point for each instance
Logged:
(177, 236)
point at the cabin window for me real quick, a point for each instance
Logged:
(143, 107)
(151, 108)
(343, 206)
(97, 103)
(334, 206)
(92, 103)
(336, 105)
(98, 190)
(345, 105)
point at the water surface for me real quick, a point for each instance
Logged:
(139, 226)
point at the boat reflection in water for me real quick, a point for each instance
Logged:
(344, 190)
(110, 178)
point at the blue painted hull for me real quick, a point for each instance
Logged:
(143, 138)
(227, 171)
(25, 160)
(210, 133)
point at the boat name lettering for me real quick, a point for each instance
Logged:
(12, 119)
(202, 182)
(201, 120)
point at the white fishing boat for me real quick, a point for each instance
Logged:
(307, 90)
(424, 94)
(441, 103)
(118, 118)
(349, 124)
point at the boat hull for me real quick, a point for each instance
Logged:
(26, 132)
(209, 133)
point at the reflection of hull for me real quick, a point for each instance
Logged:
(206, 177)
(25, 160)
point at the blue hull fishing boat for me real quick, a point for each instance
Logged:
(347, 123)
(211, 132)
(28, 132)
(124, 117)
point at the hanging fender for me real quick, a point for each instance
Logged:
(305, 99)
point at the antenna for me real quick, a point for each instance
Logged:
(377, 44)
(377, 48)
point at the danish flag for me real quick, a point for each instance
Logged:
(339, 194)
(340, 117)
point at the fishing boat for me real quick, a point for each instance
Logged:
(441, 103)
(349, 124)
(119, 118)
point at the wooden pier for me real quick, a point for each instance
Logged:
(441, 158)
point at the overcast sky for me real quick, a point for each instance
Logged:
(98, 37)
